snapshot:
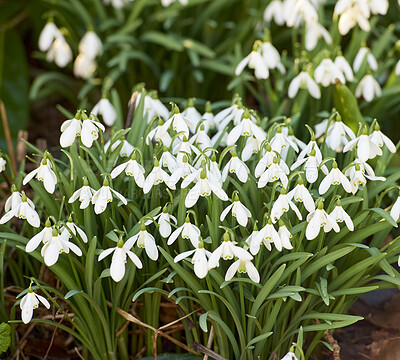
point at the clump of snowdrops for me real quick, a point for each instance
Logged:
(231, 216)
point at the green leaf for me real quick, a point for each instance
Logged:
(5, 337)
(72, 293)
(168, 41)
(385, 215)
(259, 338)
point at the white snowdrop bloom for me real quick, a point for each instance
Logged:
(201, 139)
(311, 165)
(153, 107)
(352, 12)
(314, 32)
(43, 236)
(84, 194)
(364, 167)
(56, 246)
(366, 148)
(132, 168)
(288, 131)
(272, 174)
(90, 45)
(116, 4)
(239, 211)
(179, 122)
(301, 194)
(164, 222)
(90, 131)
(342, 64)
(284, 236)
(251, 237)
(308, 148)
(199, 259)
(24, 210)
(71, 228)
(357, 178)
(159, 133)
(321, 128)
(298, 12)
(84, 66)
(167, 3)
(15, 199)
(233, 114)
(118, 261)
(340, 215)
(146, 241)
(397, 68)
(70, 129)
(106, 110)
(281, 141)
(282, 205)
(335, 177)
(3, 164)
(243, 266)
(46, 38)
(182, 171)
(59, 52)
(188, 231)
(168, 160)
(272, 57)
(274, 10)
(290, 356)
(395, 210)
(103, 196)
(336, 135)
(236, 166)
(304, 81)
(267, 160)
(157, 176)
(29, 302)
(380, 139)
(378, 6)
(214, 169)
(126, 149)
(45, 174)
(251, 147)
(192, 113)
(363, 53)
(208, 118)
(227, 251)
(317, 219)
(184, 147)
(267, 235)
(246, 127)
(204, 186)
(326, 73)
(255, 61)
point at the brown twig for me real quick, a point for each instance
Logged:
(78, 353)
(131, 109)
(207, 351)
(7, 134)
(333, 343)
(210, 341)
(52, 338)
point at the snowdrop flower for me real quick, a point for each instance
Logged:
(89, 47)
(274, 173)
(116, 4)
(214, 169)
(378, 6)
(179, 122)
(395, 210)
(252, 236)
(103, 196)
(326, 73)
(29, 302)
(159, 133)
(84, 194)
(45, 174)
(284, 236)
(24, 210)
(46, 38)
(282, 205)
(239, 211)
(314, 32)
(184, 147)
(182, 171)
(118, 261)
(256, 61)
(251, 147)
(153, 107)
(227, 251)
(106, 110)
(188, 231)
(272, 57)
(243, 266)
(90, 131)
(352, 12)
(363, 53)
(304, 81)
(311, 165)
(290, 356)
(340, 215)
(71, 228)
(317, 219)
(126, 149)
(308, 148)
(70, 129)
(236, 166)
(397, 68)
(246, 127)
(56, 246)
(274, 10)
(301, 194)
(337, 133)
(84, 66)
(366, 148)
(168, 160)
(299, 11)
(267, 160)
(3, 164)
(369, 88)
(380, 139)
(146, 241)
(192, 113)
(335, 177)
(15, 199)
(201, 138)
(132, 168)
(281, 141)
(167, 3)
(205, 185)
(232, 113)
(208, 117)
(342, 64)
(59, 52)
(157, 176)
(364, 167)
(199, 259)
(43, 236)
(267, 235)
(164, 222)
